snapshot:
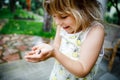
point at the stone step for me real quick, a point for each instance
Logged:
(108, 76)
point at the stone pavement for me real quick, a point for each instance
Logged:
(12, 45)
(22, 70)
(105, 74)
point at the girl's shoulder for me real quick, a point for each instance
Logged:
(97, 24)
(96, 27)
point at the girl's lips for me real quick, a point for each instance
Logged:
(66, 27)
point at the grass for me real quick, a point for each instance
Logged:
(21, 26)
(26, 27)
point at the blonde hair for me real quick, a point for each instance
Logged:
(84, 11)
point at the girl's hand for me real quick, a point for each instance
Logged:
(45, 53)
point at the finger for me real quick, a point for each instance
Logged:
(30, 53)
(34, 56)
(37, 47)
(47, 56)
(29, 59)
(32, 60)
(44, 56)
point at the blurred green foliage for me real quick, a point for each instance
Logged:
(113, 12)
(5, 13)
(26, 27)
(24, 22)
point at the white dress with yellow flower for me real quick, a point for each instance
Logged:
(70, 46)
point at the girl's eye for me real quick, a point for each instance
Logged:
(63, 17)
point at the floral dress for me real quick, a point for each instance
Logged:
(70, 46)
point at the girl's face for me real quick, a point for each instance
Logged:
(66, 21)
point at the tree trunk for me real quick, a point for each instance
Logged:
(47, 22)
(1, 3)
(12, 5)
(103, 6)
(28, 2)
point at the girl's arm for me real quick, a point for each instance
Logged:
(57, 39)
(90, 50)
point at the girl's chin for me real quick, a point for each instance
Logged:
(70, 32)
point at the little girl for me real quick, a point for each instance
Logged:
(78, 42)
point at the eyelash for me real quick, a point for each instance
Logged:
(63, 17)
